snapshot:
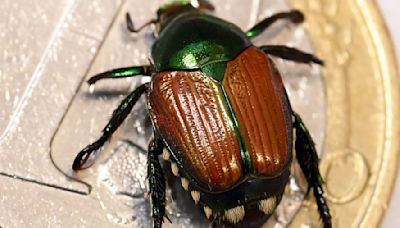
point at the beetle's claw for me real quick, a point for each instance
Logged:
(83, 156)
(81, 159)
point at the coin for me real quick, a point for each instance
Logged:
(361, 145)
(50, 114)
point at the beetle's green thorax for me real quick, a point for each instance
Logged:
(193, 40)
(215, 70)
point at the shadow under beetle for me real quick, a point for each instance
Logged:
(220, 115)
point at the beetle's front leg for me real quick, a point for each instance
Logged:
(122, 73)
(308, 159)
(156, 182)
(116, 120)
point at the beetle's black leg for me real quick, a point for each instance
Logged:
(156, 182)
(117, 118)
(292, 54)
(308, 160)
(131, 27)
(122, 73)
(295, 16)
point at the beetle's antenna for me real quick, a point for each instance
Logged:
(131, 27)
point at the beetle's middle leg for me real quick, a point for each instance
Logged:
(116, 120)
(290, 53)
(307, 157)
(156, 182)
(295, 16)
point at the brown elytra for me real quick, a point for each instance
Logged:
(192, 115)
(258, 97)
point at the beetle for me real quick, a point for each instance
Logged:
(220, 115)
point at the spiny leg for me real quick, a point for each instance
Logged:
(292, 54)
(156, 182)
(122, 73)
(308, 160)
(295, 16)
(117, 118)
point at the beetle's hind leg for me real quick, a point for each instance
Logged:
(118, 116)
(308, 159)
(292, 54)
(122, 73)
(156, 182)
(295, 16)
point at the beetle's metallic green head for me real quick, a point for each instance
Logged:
(172, 9)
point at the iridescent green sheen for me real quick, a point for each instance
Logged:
(295, 16)
(258, 28)
(121, 73)
(198, 54)
(215, 70)
(193, 40)
(262, 25)
(130, 72)
(248, 165)
(253, 33)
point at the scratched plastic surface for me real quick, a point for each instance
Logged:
(48, 113)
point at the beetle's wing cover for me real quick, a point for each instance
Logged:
(256, 92)
(190, 113)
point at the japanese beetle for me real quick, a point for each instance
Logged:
(220, 115)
